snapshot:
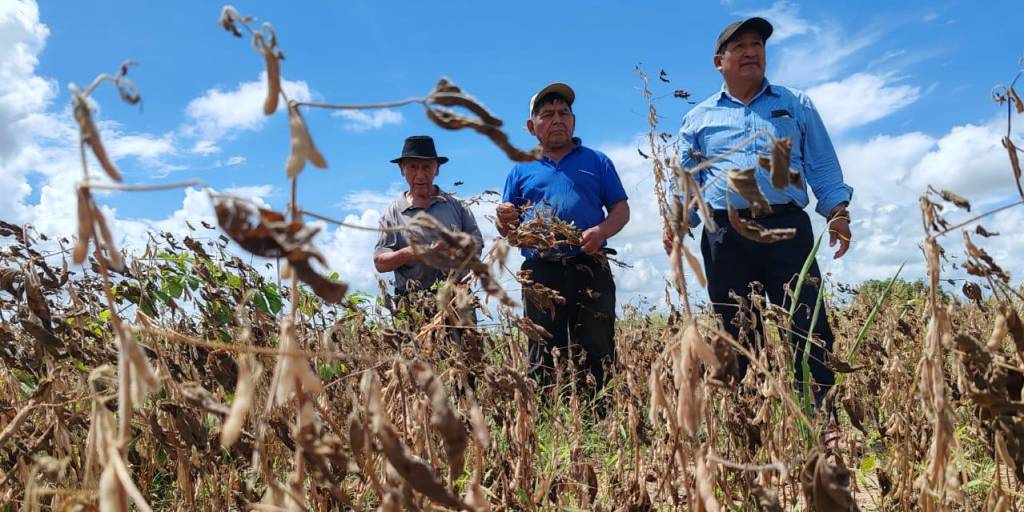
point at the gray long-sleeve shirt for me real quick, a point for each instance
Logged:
(444, 207)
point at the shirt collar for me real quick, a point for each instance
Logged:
(766, 87)
(439, 197)
(576, 142)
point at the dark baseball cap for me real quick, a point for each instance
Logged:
(757, 24)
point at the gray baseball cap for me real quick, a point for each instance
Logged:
(757, 24)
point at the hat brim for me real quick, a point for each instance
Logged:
(440, 159)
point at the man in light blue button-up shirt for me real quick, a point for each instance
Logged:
(738, 116)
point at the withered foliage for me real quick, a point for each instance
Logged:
(266, 233)
(447, 94)
(543, 230)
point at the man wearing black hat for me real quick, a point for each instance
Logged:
(748, 105)
(580, 185)
(419, 164)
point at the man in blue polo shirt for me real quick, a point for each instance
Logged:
(747, 105)
(578, 185)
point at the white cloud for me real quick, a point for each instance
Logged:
(251, 191)
(25, 95)
(889, 173)
(221, 114)
(235, 160)
(361, 121)
(860, 99)
(362, 200)
(785, 19)
(817, 59)
(205, 148)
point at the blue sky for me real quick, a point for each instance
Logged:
(904, 88)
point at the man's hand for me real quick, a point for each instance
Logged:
(839, 230)
(592, 239)
(508, 217)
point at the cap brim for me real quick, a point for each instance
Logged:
(440, 159)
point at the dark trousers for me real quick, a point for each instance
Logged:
(732, 262)
(583, 327)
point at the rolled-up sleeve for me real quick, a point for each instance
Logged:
(821, 165)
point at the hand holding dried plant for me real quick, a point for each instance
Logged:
(508, 217)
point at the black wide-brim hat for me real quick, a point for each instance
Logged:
(422, 147)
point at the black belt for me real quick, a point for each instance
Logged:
(747, 213)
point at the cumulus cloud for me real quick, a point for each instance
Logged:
(860, 99)
(219, 113)
(361, 121)
(889, 173)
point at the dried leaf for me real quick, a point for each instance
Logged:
(273, 80)
(144, 379)
(450, 95)
(113, 255)
(330, 291)
(756, 232)
(417, 473)
(695, 265)
(294, 367)
(681, 94)
(826, 486)
(442, 417)
(303, 148)
(9, 278)
(744, 182)
(229, 16)
(1014, 162)
(450, 120)
(89, 134)
(85, 226)
(972, 291)
(249, 371)
(37, 302)
(958, 200)
(984, 232)
(779, 164)
(1017, 102)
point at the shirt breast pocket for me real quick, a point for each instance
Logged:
(785, 126)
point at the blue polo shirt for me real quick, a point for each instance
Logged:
(578, 189)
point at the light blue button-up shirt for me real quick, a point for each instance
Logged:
(722, 122)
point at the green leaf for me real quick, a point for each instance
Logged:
(166, 299)
(174, 287)
(104, 316)
(868, 464)
(273, 298)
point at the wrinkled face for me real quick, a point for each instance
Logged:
(553, 124)
(742, 59)
(420, 174)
